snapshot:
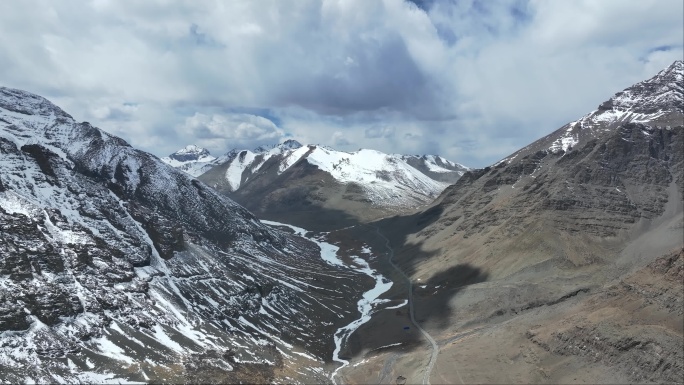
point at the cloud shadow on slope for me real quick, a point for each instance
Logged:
(431, 296)
(391, 326)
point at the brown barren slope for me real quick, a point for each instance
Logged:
(544, 267)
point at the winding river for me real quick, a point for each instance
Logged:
(365, 305)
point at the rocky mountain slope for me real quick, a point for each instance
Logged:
(562, 262)
(115, 267)
(191, 159)
(314, 182)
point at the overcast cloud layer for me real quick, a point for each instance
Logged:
(471, 80)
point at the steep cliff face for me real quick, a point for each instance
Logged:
(117, 267)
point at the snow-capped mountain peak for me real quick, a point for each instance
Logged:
(436, 163)
(364, 166)
(369, 167)
(659, 99)
(383, 181)
(190, 152)
(436, 167)
(257, 150)
(289, 144)
(191, 159)
(650, 98)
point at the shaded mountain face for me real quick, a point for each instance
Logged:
(570, 215)
(316, 186)
(436, 167)
(192, 160)
(115, 266)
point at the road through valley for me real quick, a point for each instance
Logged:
(435, 348)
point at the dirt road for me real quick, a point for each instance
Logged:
(435, 348)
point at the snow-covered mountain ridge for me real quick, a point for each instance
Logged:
(366, 178)
(366, 167)
(362, 166)
(117, 267)
(191, 159)
(436, 167)
(190, 153)
(434, 163)
(658, 99)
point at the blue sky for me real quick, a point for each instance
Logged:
(468, 79)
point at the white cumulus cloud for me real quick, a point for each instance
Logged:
(472, 80)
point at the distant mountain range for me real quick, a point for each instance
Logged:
(363, 184)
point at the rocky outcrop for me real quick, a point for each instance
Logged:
(648, 351)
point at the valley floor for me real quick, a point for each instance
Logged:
(628, 329)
